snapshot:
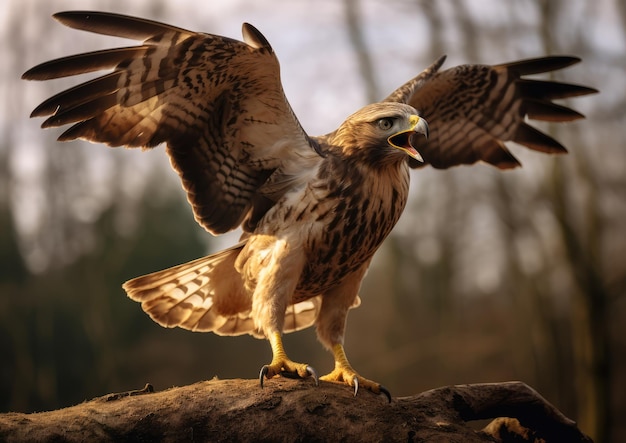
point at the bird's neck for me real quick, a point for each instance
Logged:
(352, 178)
(367, 167)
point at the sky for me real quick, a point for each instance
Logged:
(319, 68)
(309, 37)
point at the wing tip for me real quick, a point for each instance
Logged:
(540, 65)
(548, 111)
(35, 73)
(70, 18)
(536, 140)
(253, 37)
(42, 110)
(439, 62)
(60, 16)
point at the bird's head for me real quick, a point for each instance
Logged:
(382, 133)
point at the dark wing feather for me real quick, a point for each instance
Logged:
(473, 109)
(116, 25)
(216, 102)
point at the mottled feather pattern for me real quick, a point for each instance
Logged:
(354, 218)
(191, 91)
(314, 210)
(347, 207)
(207, 295)
(473, 109)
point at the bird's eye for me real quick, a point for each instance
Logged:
(385, 123)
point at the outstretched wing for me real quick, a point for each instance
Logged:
(217, 103)
(473, 109)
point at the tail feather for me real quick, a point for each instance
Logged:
(208, 295)
(302, 315)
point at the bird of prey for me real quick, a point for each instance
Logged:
(313, 210)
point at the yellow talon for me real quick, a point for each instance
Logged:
(344, 373)
(282, 365)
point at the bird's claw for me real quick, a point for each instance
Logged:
(310, 372)
(383, 390)
(267, 372)
(351, 378)
(313, 374)
(264, 370)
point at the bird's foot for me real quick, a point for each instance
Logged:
(282, 365)
(287, 368)
(343, 373)
(350, 377)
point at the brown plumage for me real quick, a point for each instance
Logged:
(313, 209)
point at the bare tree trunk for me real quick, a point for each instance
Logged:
(590, 317)
(356, 34)
(435, 20)
(294, 410)
(579, 228)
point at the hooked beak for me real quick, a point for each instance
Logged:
(402, 140)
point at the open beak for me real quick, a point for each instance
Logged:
(402, 140)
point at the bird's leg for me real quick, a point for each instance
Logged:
(344, 373)
(331, 325)
(272, 266)
(283, 365)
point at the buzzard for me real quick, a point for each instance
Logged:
(313, 210)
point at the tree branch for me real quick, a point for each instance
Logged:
(295, 410)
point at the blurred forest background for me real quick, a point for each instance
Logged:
(488, 277)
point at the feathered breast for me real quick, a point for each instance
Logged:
(352, 208)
